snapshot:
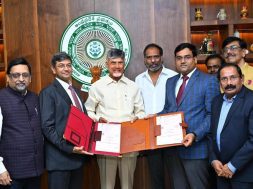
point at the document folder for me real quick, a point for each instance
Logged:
(118, 138)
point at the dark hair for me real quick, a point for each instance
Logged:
(115, 53)
(190, 46)
(239, 71)
(214, 56)
(231, 39)
(60, 56)
(153, 45)
(18, 61)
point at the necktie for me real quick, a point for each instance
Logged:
(75, 98)
(181, 89)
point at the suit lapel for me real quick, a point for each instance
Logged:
(61, 91)
(174, 83)
(216, 113)
(189, 85)
(234, 107)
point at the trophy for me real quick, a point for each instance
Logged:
(244, 12)
(198, 14)
(207, 46)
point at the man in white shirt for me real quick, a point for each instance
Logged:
(152, 84)
(115, 98)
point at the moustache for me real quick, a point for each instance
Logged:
(230, 87)
(228, 55)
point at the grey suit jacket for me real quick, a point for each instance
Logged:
(54, 107)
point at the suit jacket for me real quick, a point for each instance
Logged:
(236, 140)
(196, 105)
(54, 107)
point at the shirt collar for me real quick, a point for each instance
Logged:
(109, 80)
(64, 84)
(189, 74)
(229, 100)
(147, 75)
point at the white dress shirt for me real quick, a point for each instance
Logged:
(66, 88)
(180, 81)
(2, 167)
(154, 95)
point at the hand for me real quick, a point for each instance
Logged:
(134, 119)
(227, 172)
(102, 120)
(79, 150)
(5, 178)
(188, 139)
(218, 167)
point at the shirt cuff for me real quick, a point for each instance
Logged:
(231, 167)
(2, 167)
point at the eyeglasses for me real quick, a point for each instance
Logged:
(156, 57)
(232, 48)
(231, 78)
(61, 66)
(186, 58)
(25, 75)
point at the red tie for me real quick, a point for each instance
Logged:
(181, 89)
(73, 93)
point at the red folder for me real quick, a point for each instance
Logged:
(140, 135)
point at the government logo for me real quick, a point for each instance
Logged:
(87, 40)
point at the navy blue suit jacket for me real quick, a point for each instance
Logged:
(196, 105)
(236, 140)
(54, 107)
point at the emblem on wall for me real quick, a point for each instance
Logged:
(87, 40)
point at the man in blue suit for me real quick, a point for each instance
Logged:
(191, 91)
(231, 138)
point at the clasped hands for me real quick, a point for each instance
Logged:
(222, 170)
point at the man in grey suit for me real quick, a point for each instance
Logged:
(191, 91)
(64, 161)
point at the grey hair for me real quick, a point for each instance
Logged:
(115, 53)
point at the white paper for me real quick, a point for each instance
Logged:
(171, 131)
(110, 139)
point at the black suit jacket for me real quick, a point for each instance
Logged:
(236, 140)
(54, 107)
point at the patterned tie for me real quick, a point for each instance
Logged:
(181, 89)
(73, 93)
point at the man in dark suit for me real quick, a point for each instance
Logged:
(231, 138)
(64, 161)
(191, 91)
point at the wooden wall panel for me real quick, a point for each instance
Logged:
(21, 37)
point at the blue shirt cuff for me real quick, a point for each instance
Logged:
(231, 167)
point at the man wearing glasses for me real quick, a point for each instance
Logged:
(235, 51)
(21, 143)
(191, 91)
(231, 147)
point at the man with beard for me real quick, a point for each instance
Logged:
(115, 98)
(21, 144)
(230, 144)
(235, 51)
(152, 84)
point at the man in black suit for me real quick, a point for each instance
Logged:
(64, 161)
(231, 137)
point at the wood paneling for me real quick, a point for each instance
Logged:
(33, 30)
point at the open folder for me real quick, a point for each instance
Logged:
(119, 138)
